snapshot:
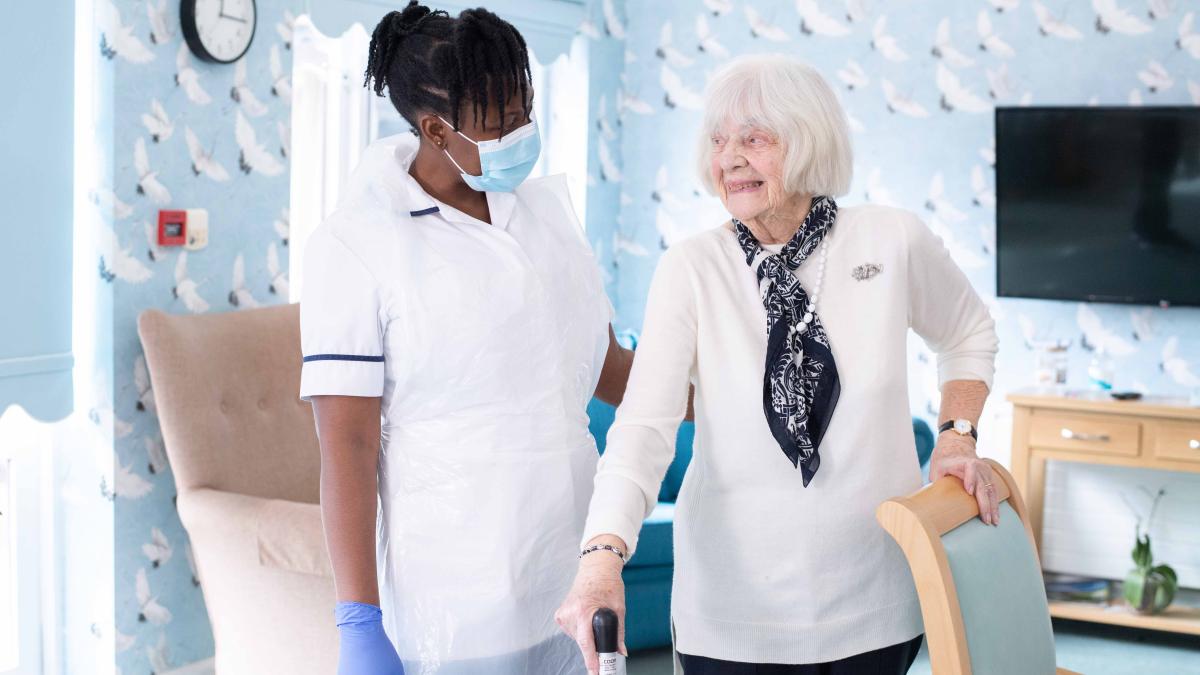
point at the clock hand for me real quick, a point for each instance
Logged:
(231, 18)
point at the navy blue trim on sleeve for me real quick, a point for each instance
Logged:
(424, 212)
(343, 357)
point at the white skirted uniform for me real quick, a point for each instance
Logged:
(485, 343)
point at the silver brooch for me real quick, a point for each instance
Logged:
(866, 271)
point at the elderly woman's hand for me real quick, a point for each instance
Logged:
(597, 584)
(956, 457)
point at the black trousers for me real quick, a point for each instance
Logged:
(893, 660)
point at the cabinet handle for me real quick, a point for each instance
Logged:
(1076, 436)
(1194, 444)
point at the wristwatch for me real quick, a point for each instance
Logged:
(961, 427)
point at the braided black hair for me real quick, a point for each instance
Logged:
(431, 62)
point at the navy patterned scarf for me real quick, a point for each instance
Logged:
(800, 380)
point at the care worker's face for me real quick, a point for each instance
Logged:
(494, 125)
(746, 166)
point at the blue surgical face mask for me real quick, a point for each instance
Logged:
(504, 162)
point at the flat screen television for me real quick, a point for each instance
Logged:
(1099, 204)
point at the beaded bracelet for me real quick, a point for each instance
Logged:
(604, 547)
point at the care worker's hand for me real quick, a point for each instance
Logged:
(364, 648)
(956, 457)
(597, 584)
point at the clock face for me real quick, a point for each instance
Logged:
(223, 28)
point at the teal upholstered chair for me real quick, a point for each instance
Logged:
(648, 574)
(980, 586)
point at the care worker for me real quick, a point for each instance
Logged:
(454, 327)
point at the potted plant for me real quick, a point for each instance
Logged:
(1149, 588)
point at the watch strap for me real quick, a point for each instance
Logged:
(949, 425)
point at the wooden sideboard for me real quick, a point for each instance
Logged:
(1093, 428)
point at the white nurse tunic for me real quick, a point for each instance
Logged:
(485, 343)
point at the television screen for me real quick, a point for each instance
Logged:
(1099, 204)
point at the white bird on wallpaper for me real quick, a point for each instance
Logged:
(1110, 17)
(141, 380)
(853, 75)
(202, 159)
(1097, 337)
(157, 122)
(159, 656)
(667, 51)
(281, 83)
(158, 550)
(117, 262)
(854, 123)
(814, 21)
(987, 238)
(708, 41)
(286, 28)
(283, 225)
(253, 156)
(148, 184)
(149, 608)
(186, 289)
(109, 204)
(1188, 41)
(1051, 26)
(1135, 97)
(979, 184)
(279, 281)
(1155, 77)
(676, 93)
(1175, 366)
(941, 205)
(955, 96)
(1004, 5)
(124, 642)
(1142, 324)
(239, 296)
(886, 44)
(999, 83)
(626, 101)
(988, 152)
(855, 11)
(989, 41)
(662, 194)
(612, 23)
(944, 49)
(160, 22)
(761, 28)
(153, 251)
(669, 230)
(128, 484)
(102, 415)
(966, 256)
(241, 94)
(156, 454)
(899, 103)
(1159, 9)
(602, 124)
(719, 7)
(1194, 90)
(609, 170)
(187, 77)
(588, 29)
(191, 560)
(116, 38)
(876, 192)
(285, 138)
(622, 244)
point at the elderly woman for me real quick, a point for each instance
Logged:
(791, 321)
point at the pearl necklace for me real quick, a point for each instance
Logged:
(810, 312)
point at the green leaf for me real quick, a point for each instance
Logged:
(1167, 572)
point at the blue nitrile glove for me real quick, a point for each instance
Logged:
(365, 649)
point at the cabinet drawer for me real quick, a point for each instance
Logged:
(1177, 441)
(1101, 434)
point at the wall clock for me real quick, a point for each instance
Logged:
(218, 31)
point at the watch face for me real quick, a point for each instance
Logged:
(962, 426)
(225, 27)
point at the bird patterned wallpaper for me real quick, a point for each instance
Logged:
(185, 134)
(918, 79)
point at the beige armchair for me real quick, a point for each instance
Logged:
(244, 452)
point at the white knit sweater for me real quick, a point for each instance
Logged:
(766, 570)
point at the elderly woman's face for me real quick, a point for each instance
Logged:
(746, 165)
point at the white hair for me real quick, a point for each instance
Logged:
(792, 102)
